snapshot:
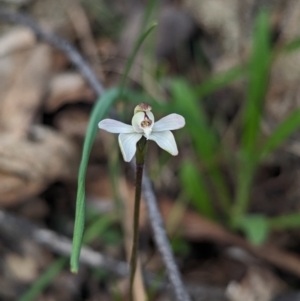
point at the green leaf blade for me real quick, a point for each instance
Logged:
(258, 76)
(259, 67)
(281, 133)
(284, 222)
(100, 110)
(196, 190)
(256, 228)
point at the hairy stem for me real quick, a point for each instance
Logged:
(141, 148)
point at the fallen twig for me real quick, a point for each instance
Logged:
(19, 229)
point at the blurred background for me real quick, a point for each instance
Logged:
(230, 199)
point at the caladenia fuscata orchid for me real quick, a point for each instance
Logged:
(144, 125)
(133, 141)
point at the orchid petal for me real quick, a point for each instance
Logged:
(114, 126)
(166, 141)
(169, 123)
(127, 144)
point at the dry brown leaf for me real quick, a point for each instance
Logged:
(196, 227)
(22, 98)
(14, 46)
(53, 15)
(21, 268)
(66, 88)
(16, 40)
(80, 22)
(72, 122)
(28, 166)
(259, 284)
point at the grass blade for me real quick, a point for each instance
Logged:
(196, 189)
(100, 110)
(282, 132)
(258, 72)
(136, 48)
(44, 280)
(185, 102)
(256, 228)
(204, 138)
(219, 81)
(259, 66)
(292, 46)
(284, 222)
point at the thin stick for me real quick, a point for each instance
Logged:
(18, 228)
(162, 241)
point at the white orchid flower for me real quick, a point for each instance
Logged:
(142, 124)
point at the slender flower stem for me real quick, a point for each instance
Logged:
(141, 150)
